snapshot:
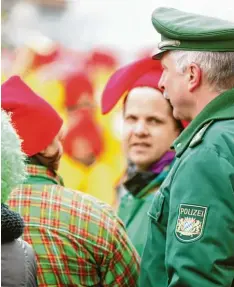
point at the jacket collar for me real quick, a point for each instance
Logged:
(221, 108)
(37, 172)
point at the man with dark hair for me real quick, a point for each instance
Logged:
(149, 130)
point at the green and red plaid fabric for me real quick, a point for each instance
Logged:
(78, 240)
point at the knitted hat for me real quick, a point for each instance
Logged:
(36, 122)
(76, 86)
(12, 158)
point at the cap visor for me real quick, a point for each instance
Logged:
(158, 55)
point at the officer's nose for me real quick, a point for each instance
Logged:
(161, 83)
(141, 129)
(162, 87)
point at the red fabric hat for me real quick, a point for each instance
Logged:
(77, 85)
(35, 121)
(145, 72)
(85, 128)
(102, 58)
(41, 60)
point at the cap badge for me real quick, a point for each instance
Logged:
(174, 43)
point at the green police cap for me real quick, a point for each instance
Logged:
(191, 32)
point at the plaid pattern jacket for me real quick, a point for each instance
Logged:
(78, 240)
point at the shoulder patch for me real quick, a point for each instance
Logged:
(197, 139)
(190, 223)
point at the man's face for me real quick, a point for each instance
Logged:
(175, 87)
(84, 101)
(54, 151)
(82, 151)
(149, 127)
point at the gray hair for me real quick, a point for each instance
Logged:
(217, 67)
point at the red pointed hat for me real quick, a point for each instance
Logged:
(145, 72)
(102, 58)
(40, 60)
(86, 128)
(77, 85)
(35, 121)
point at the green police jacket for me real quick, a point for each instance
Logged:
(190, 239)
(133, 210)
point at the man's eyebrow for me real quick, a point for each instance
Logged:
(130, 114)
(160, 118)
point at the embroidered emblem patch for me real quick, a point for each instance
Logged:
(190, 222)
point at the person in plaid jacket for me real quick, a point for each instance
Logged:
(78, 240)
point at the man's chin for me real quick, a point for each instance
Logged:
(141, 164)
(181, 117)
(176, 115)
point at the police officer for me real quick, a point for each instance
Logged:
(191, 232)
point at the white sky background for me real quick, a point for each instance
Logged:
(122, 24)
(128, 22)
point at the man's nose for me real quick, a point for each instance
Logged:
(162, 87)
(161, 83)
(141, 129)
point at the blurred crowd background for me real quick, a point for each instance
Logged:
(66, 51)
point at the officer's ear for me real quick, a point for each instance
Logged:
(194, 76)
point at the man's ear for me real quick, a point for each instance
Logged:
(46, 150)
(43, 151)
(195, 75)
